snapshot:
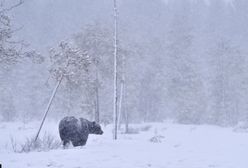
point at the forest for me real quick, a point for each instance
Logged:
(183, 60)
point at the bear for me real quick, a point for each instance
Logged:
(77, 131)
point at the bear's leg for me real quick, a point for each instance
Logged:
(75, 143)
(82, 143)
(78, 143)
(65, 143)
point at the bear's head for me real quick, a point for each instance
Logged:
(95, 128)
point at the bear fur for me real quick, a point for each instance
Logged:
(77, 131)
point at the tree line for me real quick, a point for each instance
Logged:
(184, 60)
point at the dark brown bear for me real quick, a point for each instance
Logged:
(77, 131)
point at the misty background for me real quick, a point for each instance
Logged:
(184, 60)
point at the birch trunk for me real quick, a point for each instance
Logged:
(120, 105)
(115, 117)
(97, 111)
(48, 106)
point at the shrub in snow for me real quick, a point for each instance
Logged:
(47, 142)
(157, 139)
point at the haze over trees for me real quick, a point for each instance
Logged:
(185, 60)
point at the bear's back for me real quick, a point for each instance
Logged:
(85, 124)
(68, 122)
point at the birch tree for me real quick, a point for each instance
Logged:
(67, 63)
(9, 49)
(75, 74)
(115, 112)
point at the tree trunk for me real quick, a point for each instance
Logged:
(126, 119)
(48, 106)
(97, 111)
(115, 117)
(120, 105)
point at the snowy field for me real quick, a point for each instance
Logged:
(175, 146)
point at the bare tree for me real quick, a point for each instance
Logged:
(10, 54)
(115, 114)
(10, 51)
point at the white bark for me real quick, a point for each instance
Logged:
(122, 91)
(120, 104)
(49, 105)
(97, 110)
(51, 100)
(115, 117)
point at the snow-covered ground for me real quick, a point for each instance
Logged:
(178, 146)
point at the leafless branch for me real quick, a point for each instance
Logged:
(12, 7)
